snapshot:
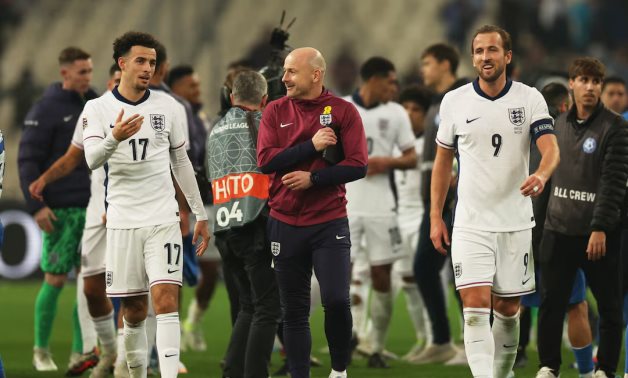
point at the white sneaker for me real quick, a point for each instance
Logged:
(105, 366)
(121, 371)
(460, 359)
(600, 374)
(546, 372)
(42, 360)
(435, 353)
(193, 339)
(414, 351)
(336, 374)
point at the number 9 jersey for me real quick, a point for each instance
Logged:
(492, 136)
(138, 185)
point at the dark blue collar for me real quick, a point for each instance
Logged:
(121, 98)
(357, 99)
(479, 91)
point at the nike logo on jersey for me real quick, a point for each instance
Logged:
(471, 120)
(67, 118)
(510, 346)
(340, 237)
(135, 367)
(111, 126)
(525, 281)
(285, 124)
(172, 271)
(171, 355)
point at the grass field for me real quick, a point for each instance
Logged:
(16, 340)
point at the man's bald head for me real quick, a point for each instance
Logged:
(304, 71)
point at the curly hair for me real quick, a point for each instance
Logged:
(123, 44)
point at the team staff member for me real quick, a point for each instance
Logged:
(583, 218)
(308, 219)
(48, 130)
(240, 195)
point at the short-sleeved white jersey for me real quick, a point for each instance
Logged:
(387, 126)
(408, 183)
(139, 188)
(492, 138)
(96, 206)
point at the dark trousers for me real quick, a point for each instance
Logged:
(246, 260)
(325, 248)
(561, 256)
(427, 266)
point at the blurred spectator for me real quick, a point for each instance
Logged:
(614, 94)
(344, 72)
(459, 16)
(24, 93)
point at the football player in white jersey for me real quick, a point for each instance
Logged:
(371, 205)
(416, 101)
(143, 236)
(489, 125)
(92, 244)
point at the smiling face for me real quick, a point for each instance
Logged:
(489, 57)
(586, 90)
(302, 79)
(138, 66)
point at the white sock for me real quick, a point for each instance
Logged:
(136, 348)
(506, 335)
(381, 313)
(151, 328)
(195, 314)
(88, 332)
(106, 332)
(335, 373)
(168, 343)
(121, 359)
(478, 341)
(414, 304)
(358, 310)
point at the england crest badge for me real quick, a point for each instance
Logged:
(158, 122)
(517, 116)
(326, 118)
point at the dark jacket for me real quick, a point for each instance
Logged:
(432, 119)
(47, 133)
(285, 145)
(589, 185)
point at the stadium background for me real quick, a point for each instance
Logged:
(210, 34)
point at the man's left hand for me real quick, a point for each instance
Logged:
(377, 165)
(596, 249)
(533, 185)
(201, 229)
(297, 180)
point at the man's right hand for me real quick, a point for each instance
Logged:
(438, 234)
(323, 138)
(44, 218)
(36, 188)
(125, 129)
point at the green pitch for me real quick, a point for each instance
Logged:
(16, 340)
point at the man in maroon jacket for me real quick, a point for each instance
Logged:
(308, 220)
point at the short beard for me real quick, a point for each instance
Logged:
(492, 78)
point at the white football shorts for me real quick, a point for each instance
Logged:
(382, 239)
(502, 260)
(139, 258)
(93, 248)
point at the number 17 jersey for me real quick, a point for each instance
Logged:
(491, 136)
(139, 187)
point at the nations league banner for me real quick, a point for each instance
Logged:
(20, 254)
